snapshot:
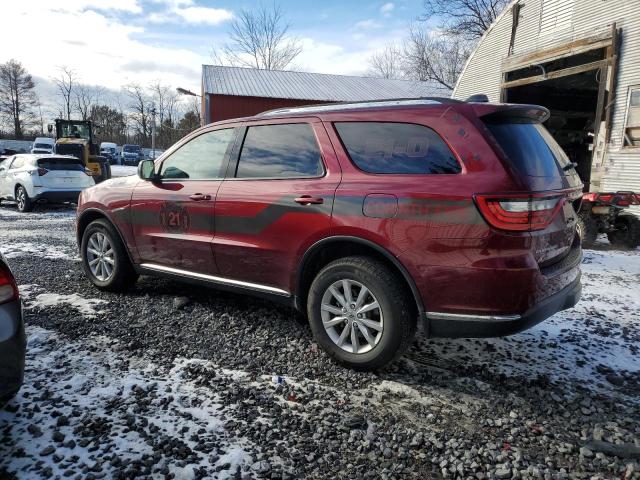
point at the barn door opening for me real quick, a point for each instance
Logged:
(574, 84)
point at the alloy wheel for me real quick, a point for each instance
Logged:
(100, 256)
(22, 198)
(352, 316)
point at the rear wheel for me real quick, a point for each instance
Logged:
(23, 201)
(587, 229)
(105, 259)
(627, 232)
(359, 313)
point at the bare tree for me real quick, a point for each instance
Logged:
(432, 57)
(66, 83)
(86, 96)
(386, 63)
(18, 100)
(140, 111)
(259, 39)
(468, 18)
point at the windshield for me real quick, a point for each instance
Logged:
(76, 130)
(131, 148)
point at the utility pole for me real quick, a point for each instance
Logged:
(153, 131)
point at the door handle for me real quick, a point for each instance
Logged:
(309, 200)
(198, 197)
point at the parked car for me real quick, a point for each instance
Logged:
(43, 145)
(110, 151)
(367, 217)
(131, 154)
(12, 335)
(27, 179)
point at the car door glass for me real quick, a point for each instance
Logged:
(280, 151)
(200, 158)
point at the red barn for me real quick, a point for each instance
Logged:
(231, 92)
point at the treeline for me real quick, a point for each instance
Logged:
(124, 116)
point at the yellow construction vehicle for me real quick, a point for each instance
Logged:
(75, 137)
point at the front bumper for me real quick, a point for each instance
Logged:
(12, 348)
(481, 326)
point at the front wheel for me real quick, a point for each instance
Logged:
(23, 201)
(360, 314)
(104, 258)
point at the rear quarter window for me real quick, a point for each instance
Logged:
(396, 148)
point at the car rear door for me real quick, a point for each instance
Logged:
(172, 217)
(275, 202)
(4, 181)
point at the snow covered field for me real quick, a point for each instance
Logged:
(178, 381)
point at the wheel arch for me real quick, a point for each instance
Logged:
(328, 249)
(91, 214)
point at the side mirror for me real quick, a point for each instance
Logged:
(146, 170)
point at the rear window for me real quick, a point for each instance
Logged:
(48, 146)
(131, 148)
(530, 148)
(378, 147)
(61, 164)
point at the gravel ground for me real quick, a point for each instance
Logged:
(176, 381)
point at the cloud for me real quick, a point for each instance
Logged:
(367, 24)
(187, 12)
(387, 8)
(98, 46)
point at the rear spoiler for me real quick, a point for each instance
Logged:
(504, 112)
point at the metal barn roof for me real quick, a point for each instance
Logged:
(250, 82)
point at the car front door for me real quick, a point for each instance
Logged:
(275, 202)
(172, 216)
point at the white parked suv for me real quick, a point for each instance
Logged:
(29, 178)
(43, 145)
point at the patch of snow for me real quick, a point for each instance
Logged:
(123, 170)
(50, 252)
(85, 306)
(137, 408)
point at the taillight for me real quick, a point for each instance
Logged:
(519, 212)
(42, 171)
(8, 288)
(88, 171)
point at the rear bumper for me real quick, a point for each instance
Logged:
(12, 348)
(58, 195)
(480, 326)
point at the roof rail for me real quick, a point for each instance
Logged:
(322, 107)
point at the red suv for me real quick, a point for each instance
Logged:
(368, 217)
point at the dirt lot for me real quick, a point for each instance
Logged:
(174, 381)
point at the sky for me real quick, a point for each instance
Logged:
(115, 42)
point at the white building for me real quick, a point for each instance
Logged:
(580, 59)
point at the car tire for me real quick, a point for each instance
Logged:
(587, 229)
(23, 201)
(391, 328)
(116, 275)
(627, 232)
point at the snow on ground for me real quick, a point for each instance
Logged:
(123, 170)
(86, 396)
(19, 249)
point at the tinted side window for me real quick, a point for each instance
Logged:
(377, 147)
(280, 151)
(200, 158)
